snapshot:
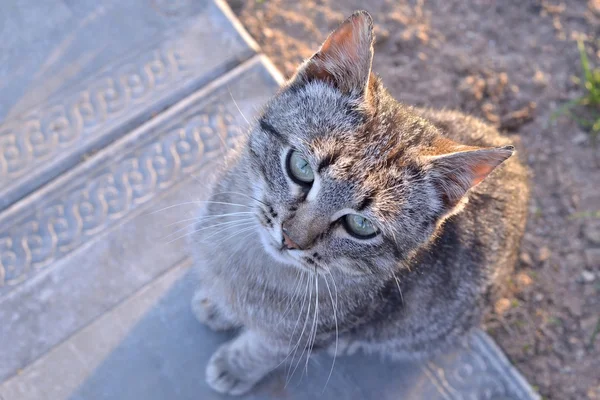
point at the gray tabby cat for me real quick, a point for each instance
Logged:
(348, 218)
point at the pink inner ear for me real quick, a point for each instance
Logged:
(344, 60)
(480, 172)
(344, 40)
(457, 171)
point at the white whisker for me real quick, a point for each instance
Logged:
(399, 290)
(299, 280)
(228, 224)
(297, 322)
(241, 194)
(336, 323)
(248, 228)
(205, 217)
(204, 220)
(238, 108)
(197, 202)
(315, 324)
(300, 338)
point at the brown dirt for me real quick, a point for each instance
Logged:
(511, 63)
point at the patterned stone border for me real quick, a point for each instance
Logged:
(484, 373)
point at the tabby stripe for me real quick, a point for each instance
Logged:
(366, 202)
(327, 161)
(265, 126)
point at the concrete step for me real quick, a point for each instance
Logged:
(81, 74)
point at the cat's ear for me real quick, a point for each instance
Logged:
(455, 168)
(345, 59)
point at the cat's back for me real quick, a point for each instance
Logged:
(484, 238)
(474, 250)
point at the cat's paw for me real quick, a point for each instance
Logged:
(223, 378)
(208, 314)
(343, 347)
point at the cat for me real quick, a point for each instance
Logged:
(347, 220)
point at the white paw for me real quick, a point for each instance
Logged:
(345, 347)
(207, 313)
(223, 378)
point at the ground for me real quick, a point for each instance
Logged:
(511, 63)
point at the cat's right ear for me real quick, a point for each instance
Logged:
(454, 168)
(345, 59)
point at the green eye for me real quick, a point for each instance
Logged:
(359, 226)
(299, 169)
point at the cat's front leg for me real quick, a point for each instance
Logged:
(210, 314)
(344, 346)
(242, 362)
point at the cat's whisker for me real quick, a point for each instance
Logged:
(301, 335)
(204, 240)
(243, 194)
(288, 298)
(229, 224)
(315, 323)
(334, 305)
(225, 223)
(310, 334)
(234, 253)
(297, 322)
(299, 280)
(223, 203)
(294, 350)
(248, 228)
(399, 290)
(196, 202)
(198, 220)
(206, 217)
(238, 108)
(173, 206)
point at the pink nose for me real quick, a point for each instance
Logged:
(288, 243)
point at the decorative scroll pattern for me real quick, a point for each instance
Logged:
(34, 138)
(473, 375)
(100, 200)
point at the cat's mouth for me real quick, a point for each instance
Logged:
(279, 252)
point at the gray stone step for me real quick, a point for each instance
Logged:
(79, 246)
(76, 75)
(150, 347)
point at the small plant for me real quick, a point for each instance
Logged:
(590, 101)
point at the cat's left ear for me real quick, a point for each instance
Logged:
(455, 168)
(345, 59)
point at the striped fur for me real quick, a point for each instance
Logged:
(441, 187)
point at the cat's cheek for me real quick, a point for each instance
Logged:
(346, 266)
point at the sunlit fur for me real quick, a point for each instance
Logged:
(416, 286)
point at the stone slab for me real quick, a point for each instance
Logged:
(81, 245)
(76, 75)
(151, 347)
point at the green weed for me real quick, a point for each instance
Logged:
(589, 101)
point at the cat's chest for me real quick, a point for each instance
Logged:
(283, 305)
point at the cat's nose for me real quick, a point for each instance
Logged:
(287, 242)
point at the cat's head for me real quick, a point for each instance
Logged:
(348, 178)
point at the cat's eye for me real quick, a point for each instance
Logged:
(359, 226)
(299, 169)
